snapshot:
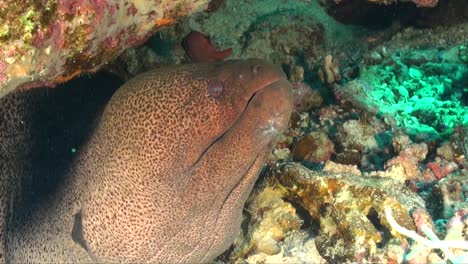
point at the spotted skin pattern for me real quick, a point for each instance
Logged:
(167, 170)
(14, 120)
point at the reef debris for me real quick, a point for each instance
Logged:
(351, 211)
(305, 98)
(271, 219)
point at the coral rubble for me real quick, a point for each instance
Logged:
(350, 210)
(420, 90)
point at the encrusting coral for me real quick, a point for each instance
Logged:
(50, 43)
(350, 209)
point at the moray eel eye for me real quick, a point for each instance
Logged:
(215, 88)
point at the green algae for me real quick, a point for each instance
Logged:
(19, 20)
(4, 31)
(421, 89)
(27, 20)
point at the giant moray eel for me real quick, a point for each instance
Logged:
(165, 173)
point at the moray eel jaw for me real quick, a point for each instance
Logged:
(173, 159)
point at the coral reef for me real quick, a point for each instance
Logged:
(349, 217)
(48, 42)
(297, 247)
(271, 218)
(454, 246)
(350, 210)
(421, 89)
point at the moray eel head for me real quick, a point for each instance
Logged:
(173, 159)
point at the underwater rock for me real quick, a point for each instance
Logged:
(314, 147)
(281, 38)
(277, 31)
(419, 3)
(297, 247)
(134, 61)
(374, 13)
(46, 43)
(305, 98)
(441, 167)
(408, 159)
(350, 210)
(270, 220)
(402, 168)
(446, 151)
(459, 142)
(356, 93)
(358, 135)
(332, 167)
(451, 195)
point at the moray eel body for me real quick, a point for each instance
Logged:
(15, 153)
(167, 170)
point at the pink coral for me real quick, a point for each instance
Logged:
(71, 7)
(425, 3)
(442, 169)
(3, 67)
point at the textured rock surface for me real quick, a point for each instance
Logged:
(46, 42)
(350, 210)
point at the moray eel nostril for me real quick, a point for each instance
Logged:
(177, 197)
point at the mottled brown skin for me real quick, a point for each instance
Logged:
(15, 123)
(167, 171)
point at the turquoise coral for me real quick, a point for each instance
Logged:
(420, 90)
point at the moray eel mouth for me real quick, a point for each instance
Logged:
(273, 105)
(269, 110)
(272, 108)
(263, 120)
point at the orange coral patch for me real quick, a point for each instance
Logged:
(61, 79)
(164, 22)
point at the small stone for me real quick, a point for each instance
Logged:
(446, 151)
(268, 246)
(315, 147)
